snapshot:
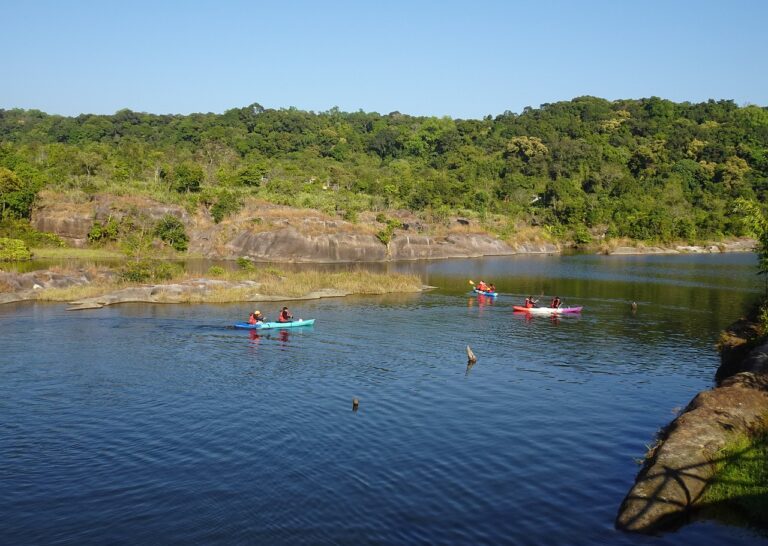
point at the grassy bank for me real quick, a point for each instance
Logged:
(67, 253)
(271, 283)
(741, 481)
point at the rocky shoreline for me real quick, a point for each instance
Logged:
(683, 461)
(266, 232)
(29, 286)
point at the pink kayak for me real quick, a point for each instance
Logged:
(547, 310)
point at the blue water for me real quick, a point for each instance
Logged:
(159, 424)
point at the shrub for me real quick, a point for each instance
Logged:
(149, 270)
(171, 230)
(581, 235)
(245, 264)
(187, 177)
(226, 204)
(101, 233)
(387, 234)
(20, 229)
(13, 250)
(216, 271)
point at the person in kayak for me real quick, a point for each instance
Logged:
(556, 302)
(482, 286)
(530, 302)
(491, 287)
(285, 315)
(256, 317)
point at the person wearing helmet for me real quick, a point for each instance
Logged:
(256, 317)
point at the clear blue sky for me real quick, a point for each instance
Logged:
(463, 59)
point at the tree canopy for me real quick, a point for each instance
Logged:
(648, 169)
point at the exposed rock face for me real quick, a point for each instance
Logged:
(73, 221)
(288, 244)
(69, 223)
(739, 245)
(682, 464)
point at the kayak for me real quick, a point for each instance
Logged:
(484, 293)
(268, 325)
(546, 310)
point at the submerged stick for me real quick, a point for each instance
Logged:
(471, 358)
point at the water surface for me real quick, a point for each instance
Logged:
(160, 424)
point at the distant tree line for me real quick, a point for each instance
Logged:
(647, 169)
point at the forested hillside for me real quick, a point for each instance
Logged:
(646, 169)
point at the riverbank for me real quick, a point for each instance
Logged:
(97, 287)
(267, 232)
(693, 451)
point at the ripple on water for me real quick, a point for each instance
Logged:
(161, 424)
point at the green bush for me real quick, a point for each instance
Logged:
(387, 234)
(216, 271)
(187, 177)
(150, 270)
(581, 235)
(245, 264)
(171, 230)
(20, 229)
(12, 250)
(101, 233)
(226, 204)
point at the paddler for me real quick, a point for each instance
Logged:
(530, 302)
(556, 302)
(256, 317)
(482, 286)
(285, 315)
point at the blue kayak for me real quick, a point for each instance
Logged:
(491, 294)
(268, 325)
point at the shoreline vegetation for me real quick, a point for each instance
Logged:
(585, 173)
(97, 287)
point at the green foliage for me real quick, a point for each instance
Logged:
(227, 203)
(741, 479)
(146, 270)
(13, 250)
(20, 229)
(216, 271)
(101, 233)
(387, 234)
(581, 235)
(756, 222)
(188, 177)
(16, 196)
(649, 169)
(245, 264)
(171, 230)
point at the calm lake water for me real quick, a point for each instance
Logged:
(159, 424)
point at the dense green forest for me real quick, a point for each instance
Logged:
(647, 169)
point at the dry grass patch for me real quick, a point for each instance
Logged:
(76, 253)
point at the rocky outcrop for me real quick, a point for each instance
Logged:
(73, 221)
(288, 244)
(192, 291)
(738, 245)
(70, 223)
(27, 286)
(678, 469)
(268, 232)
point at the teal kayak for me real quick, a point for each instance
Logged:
(269, 325)
(484, 293)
